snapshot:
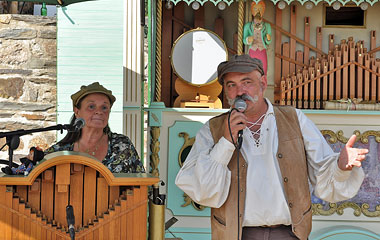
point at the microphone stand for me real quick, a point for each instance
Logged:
(13, 137)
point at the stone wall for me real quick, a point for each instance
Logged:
(28, 57)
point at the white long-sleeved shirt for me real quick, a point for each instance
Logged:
(206, 178)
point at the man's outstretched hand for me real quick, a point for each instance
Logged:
(350, 157)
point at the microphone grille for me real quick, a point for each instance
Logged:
(240, 105)
(79, 124)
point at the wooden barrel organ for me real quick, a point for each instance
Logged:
(106, 205)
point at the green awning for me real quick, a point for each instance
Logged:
(302, 2)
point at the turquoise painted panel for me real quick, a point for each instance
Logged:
(175, 195)
(343, 232)
(189, 233)
(90, 48)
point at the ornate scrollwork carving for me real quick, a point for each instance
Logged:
(341, 207)
(185, 149)
(155, 149)
(365, 207)
(339, 136)
(365, 135)
(317, 209)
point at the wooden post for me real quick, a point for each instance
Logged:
(332, 80)
(373, 79)
(300, 89)
(219, 27)
(277, 60)
(359, 77)
(76, 192)
(285, 64)
(325, 68)
(15, 223)
(299, 58)
(47, 190)
(372, 40)
(331, 42)
(352, 79)
(366, 77)
(312, 87)
(165, 49)
(289, 94)
(306, 89)
(283, 88)
(307, 39)
(294, 93)
(319, 41)
(338, 80)
(344, 48)
(199, 18)
(293, 31)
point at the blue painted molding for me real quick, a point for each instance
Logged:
(343, 232)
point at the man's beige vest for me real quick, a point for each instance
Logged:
(292, 162)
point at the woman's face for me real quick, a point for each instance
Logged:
(94, 109)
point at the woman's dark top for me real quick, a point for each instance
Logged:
(121, 157)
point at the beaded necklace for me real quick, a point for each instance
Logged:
(94, 150)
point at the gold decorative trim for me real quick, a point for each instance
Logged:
(188, 142)
(365, 135)
(339, 136)
(317, 209)
(354, 206)
(376, 213)
(240, 27)
(155, 149)
(157, 93)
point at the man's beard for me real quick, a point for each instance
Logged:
(245, 97)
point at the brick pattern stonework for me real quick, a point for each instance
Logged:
(28, 79)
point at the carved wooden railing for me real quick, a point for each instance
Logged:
(106, 205)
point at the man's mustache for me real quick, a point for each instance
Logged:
(245, 97)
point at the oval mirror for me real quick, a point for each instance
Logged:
(196, 55)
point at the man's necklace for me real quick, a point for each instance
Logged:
(93, 152)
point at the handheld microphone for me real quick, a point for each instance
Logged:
(240, 105)
(70, 220)
(78, 124)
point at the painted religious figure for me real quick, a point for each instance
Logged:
(257, 34)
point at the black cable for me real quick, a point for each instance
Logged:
(237, 147)
(229, 126)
